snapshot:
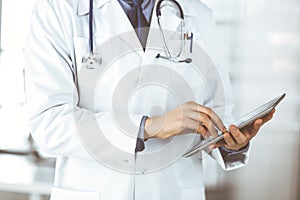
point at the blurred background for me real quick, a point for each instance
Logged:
(258, 41)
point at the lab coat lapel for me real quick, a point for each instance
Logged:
(170, 24)
(83, 6)
(122, 27)
(153, 47)
(117, 22)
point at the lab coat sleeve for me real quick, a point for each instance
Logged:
(222, 106)
(57, 123)
(233, 160)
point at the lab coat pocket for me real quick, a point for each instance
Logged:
(192, 194)
(187, 84)
(63, 194)
(187, 75)
(169, 20)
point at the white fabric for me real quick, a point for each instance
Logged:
(57, 112)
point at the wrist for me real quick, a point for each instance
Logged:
(154, 128)
(147, 134)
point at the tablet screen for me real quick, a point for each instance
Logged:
(242, 122)
(258, 112)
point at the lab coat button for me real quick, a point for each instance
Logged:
(144, 171)
(125, 160)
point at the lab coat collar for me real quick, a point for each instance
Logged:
(84, 6)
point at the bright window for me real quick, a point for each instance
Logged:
(14, 27)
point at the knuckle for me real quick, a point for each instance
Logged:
(181, 116)
(185, 123)
(211, 125)
(191, 125)
(239, 141)
(236, 134)
(204, 119)
(201, 130)
(229, 139)
(209, 111)
(197, 125)
(184, 107)
(190, 102)
(244, 141)
(238, 138)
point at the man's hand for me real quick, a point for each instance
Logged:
(238, 139)
(186, 118)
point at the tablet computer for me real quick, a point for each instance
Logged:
(240, 123)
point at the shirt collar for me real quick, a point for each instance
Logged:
(84, 6)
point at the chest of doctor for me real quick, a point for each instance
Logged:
(130, 79)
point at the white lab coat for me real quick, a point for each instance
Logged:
(63, 102)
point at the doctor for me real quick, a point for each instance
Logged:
(76, 110)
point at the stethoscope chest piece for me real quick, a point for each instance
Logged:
(92, 61)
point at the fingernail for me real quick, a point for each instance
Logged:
(226, 135)
(259, 122)
(273, 110)
(232, 129)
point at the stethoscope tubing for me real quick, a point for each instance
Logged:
(163, 38)
(158, 14)
(91, 34)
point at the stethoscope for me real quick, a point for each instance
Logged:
(182, 36)
(93, 60)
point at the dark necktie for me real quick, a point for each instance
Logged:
(134, 11)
